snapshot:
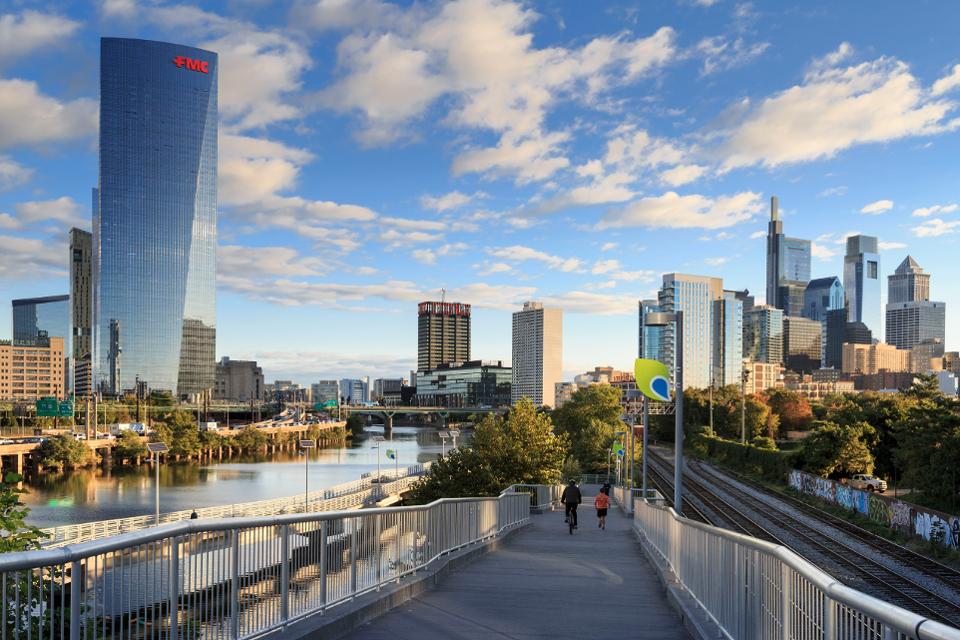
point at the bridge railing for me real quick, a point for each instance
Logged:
(542, 496)
(348, 495)
(235, 577)
(755, 589)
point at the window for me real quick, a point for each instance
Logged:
(872, 269)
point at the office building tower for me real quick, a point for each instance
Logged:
(911, 323)
(355, 391)
(927, 356)
(833, 336)
(45, 317)
(325, 391)
(695, 297)
(908, 283)
(389, 391)
(822, 295)
(874, 358)
(238, 381)
(728, 339)
(443, 333)
(763, 335)
(801, 344)
(81, 308)
(744, 296)
(155, 219)
(861, 282)
(537, 354)
(652, 338)
(788, 265)
(31, 369)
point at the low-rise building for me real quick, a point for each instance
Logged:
(565, 391)
(388, 391)
(814, 389)
(762, 376)
(884, 381)
(325, 391)
(238, 381)
(32, 369)
(476, 383)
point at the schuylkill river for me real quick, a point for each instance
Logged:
(101, 494)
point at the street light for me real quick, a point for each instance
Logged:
(454, 433)
(618, 435)
(443, 442)
(305, 446)
(156, 448)
(664, 319)
(744, 375)
(378, 440)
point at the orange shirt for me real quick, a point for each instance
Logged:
(602, 501)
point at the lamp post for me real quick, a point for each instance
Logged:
(744, 374)
(454, 434)
(664, 319)
(443, 442)
(646, 428)
(305, 446)
(618, 435)
(156, 448)
(378, 440)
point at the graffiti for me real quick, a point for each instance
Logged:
(796, 480)
(863, 501)
(955, 532)
(824, 489)
(930, 526)
(845, 497)
(900, 514)
(878, 511)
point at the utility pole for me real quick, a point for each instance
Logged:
(743, 406)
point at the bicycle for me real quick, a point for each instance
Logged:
(572, 517)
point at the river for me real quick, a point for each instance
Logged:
(86, 495)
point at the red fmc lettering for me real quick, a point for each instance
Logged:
(193, 65)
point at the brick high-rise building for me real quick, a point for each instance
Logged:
(443, 334)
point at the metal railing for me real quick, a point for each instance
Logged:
(234, 577)
(625, 497)
(348, 495)
(755, 589)
(542, 496)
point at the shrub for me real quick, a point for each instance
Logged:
(63, 451)
(129, 445)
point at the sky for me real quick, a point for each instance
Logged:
(373, 153)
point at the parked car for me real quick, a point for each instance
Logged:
(867, 482)
(78, 435)
(106, 436)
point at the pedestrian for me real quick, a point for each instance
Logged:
(602, 503)
(194, 515)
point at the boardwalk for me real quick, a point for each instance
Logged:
(546, 584)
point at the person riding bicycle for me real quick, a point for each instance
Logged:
(570, 499)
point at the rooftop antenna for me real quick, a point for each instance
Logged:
(443, 295)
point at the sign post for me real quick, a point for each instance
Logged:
(392, 455)
(306, 445)
(156, 448)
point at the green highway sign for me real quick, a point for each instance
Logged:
(48, 408)
(66, 409)
(329, 404)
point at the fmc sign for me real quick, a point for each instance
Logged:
(190, 64)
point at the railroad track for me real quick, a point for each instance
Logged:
(928, 566)
(895, 588)
(662, 482)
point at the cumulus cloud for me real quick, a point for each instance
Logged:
(261, 262)
(821, 251)
(520, 253)
(12, 173)
(890, 246)
(429, 256)
(925, 212)
(31, 258)
(716, 262)
(682, 174)
(721, 53)
(671, 210)
(491, 268)
(448, 201)
(934, 228)
(28, 117)
(947, 83)
(879, 206)
(64, 210)
(22, 34)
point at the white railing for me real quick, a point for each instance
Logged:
(754, 589)
(348, 495)
(542, 496)
(235, 577)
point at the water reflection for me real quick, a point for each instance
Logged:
(99, 494)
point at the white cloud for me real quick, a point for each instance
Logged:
(890, 246)
(644, 275)
(592, 303)
(31, 258)
(879, 206)
(947, 83)
(64, 210)
(448, 201)
(260, 262)
(416, 225)
(27, 117)
(22, 34)
(324, 15)
(12, 173)
(682, 174)
(608, 246)
(530, 158)
(822, 252)
(605, 266)
(395, 239)
(831, 110)
(520, 253)
(118, 8)
(611, 187)
(494, 267)
(716, 262)
(833, 191)
(429, 256)
(934, 228)
(672, 210)
(925, 212)
(756, 235)
(720, 53)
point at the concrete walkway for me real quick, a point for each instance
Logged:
(545, 584)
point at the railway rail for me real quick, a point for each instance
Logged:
(896, 588)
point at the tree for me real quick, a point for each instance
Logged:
(462, 472)
(180, 432)
(928, 438)
(355, 424)
(251, 438)
(837, 450)
(793, 409)
(590, 419)
(16, 534)
(129, 445)
(63, 451)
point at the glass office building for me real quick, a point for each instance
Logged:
(728, 339)
(695, 297)
(861, 282)
(49, 316)
(155, 218)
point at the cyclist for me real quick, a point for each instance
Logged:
(602, 503)
(571, 498)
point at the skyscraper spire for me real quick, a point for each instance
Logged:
(774, 208)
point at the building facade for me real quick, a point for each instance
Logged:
(908, 283)
(763, 335)
(788, 265)
(388, 391)
(874, 358)
(801, 344)
(817, 390)
(911, 323)
(32, 369)
(822, 295)
(355, 390)
(475, 383)
(49, 317)
(238, 381)
(155, 216)
(652, 339)
(325, 391)
(443, 334)
(761, 376)
(728, 345)
(537, 354)
(695, 297)
(861, 282)
(81, 308)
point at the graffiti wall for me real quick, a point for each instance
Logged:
(888, 511)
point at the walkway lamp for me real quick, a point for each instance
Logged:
(443, 442)
(156, 448)
(454, 433)
(621, 455)
(663, 319)
(378, 440)
(305, 446)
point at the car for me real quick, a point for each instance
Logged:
(106, 436)
(7, 441)
(79, 435)
(867, 482)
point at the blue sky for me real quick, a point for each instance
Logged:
(373, 153)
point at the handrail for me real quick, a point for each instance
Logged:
(750, 586)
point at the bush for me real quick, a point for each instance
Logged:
(749, 458)
(355, 424)
(63, 451)
(129, 445)
(251, 439)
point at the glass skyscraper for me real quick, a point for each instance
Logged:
(861, 282)
(788, 265)
(728, 339)
(695, 296)
(155, 218)
(50, 314)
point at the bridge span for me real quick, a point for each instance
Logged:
(387, 413)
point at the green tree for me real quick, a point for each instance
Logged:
(792, 408)
(16, 534)
(180, 432)
(928, 440)
(462, 472)
(62, 451)
(354, 424)
(837, 450)
(129, 445)
(251, 439)
(589, 420)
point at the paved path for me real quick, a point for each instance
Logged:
(544, 584)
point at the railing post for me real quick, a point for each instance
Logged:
(235, 583)
(379, 549)
(785, 605)
(285, 572)
(829, 619)
(323, 565)
(174, 588)
(353, 558)
(76, 590)
(399, 528)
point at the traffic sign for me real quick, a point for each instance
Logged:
(157, 447)
(308, 444)
(66, 409)
(48, 408)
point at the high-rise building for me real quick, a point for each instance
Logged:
(749, 302)
(32, 369)
(81, 307)
(443, 334)
(908, 283)
(834, 334)
(355, 391)
(695, 297)
(325, 390)
(728, 339)
(801, 344)
(763, 335)
(45, 317)
(822, 295)
(861, 282)
(788, 265)
(873, 358)
(238, 381)
(388, 391)
(537, 354)
(155, 219)
(652, 337)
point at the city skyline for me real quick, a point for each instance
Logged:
(616, 147)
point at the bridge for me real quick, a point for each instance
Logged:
(443, 413)
(480, 567)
